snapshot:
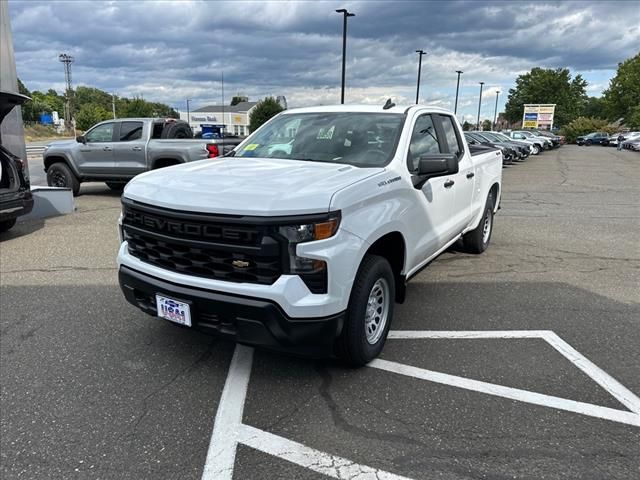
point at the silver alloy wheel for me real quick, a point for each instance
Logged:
(486, 228)
(377, 312)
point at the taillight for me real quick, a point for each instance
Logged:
(213, 150)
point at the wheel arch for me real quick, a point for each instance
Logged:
(56, 158)
(165, 162)
(392, 247)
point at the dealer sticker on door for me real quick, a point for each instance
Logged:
(173, 310)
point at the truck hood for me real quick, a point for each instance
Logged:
(246, 186)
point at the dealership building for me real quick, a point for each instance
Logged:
(234, 118)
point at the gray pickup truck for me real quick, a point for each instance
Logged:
(115, 151)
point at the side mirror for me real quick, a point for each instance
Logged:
(81, 139)
(435, 165)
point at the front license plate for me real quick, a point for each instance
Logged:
(173, 310)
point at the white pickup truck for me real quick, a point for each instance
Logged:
(307, 248)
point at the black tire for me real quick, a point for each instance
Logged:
(116, 186)
(60, 175)
(352, 346)
(176, 130)
(588, 142)
(7, 224)
(476, 241)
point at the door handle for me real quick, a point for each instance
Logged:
(471, 175)
(107, 149)
(137, 149)
(449, 184)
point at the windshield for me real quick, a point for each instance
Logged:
(358, 139)
(493, 137)
(503, 137)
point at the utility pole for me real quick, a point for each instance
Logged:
(495, 112)
(345, 14)
(188, 117)
(223, 124)
(113, 104)
(420, 54)
(455, 108)
(479, 104)
(67, 60)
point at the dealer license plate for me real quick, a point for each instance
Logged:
(173, 310)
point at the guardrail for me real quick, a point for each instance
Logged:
(35, 150)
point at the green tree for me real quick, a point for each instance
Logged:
(264, 110)
(486, 125)
(548, 86)
(623, 94)
(239, 99)
(583, 125)
(633, 118)
(466, 126)
(90, 114)
(594, 108)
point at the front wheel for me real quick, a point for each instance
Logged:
(536, 150)
(369, 312)
(588, 142)
(477, 240)
(60, 175)
(7, 224)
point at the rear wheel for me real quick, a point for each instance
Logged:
(60, 175)
(116, 186)
(369, 313)
(7, 224)
(477, 240)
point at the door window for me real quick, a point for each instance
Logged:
(101, 133)
(130, 131)
(424, 140)
(453, 143)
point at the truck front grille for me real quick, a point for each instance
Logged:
(193, 245)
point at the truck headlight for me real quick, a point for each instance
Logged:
(313, 272)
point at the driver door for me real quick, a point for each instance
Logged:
(96, 155)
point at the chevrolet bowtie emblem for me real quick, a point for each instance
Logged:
(240, 264)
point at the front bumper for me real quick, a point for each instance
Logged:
(248, 320)
(14, 205)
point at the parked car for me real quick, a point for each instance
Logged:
(15, 192)
(540, 143)
(117, 150)
(307, 251)
(556, 140)
(522, 151)
(595, 138)
(528, 145)
(631, 140)
(508, 153)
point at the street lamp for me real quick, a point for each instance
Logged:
(188, 100)
(479, 103)
(420, 54)
(495, 112)
(455, 108)
(345, 14)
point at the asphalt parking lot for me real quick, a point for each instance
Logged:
(521, 363)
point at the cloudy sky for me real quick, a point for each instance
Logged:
(172, 50)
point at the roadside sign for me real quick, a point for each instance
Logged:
(538, 116)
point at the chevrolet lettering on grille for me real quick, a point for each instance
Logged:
(177, 227)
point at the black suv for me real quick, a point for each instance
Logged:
(15, 194)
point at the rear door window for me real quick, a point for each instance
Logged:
(130, 131)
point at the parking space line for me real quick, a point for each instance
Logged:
(508, 392)
(451, 334)
(320, 462)
(221, 454)
(602, 378)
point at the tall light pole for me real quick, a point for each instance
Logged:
(188, 117)
(113, 104)
(345, 15)
(495, 112)
(67, 60)
(420, 54)
(455, 108)
(479, 104)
